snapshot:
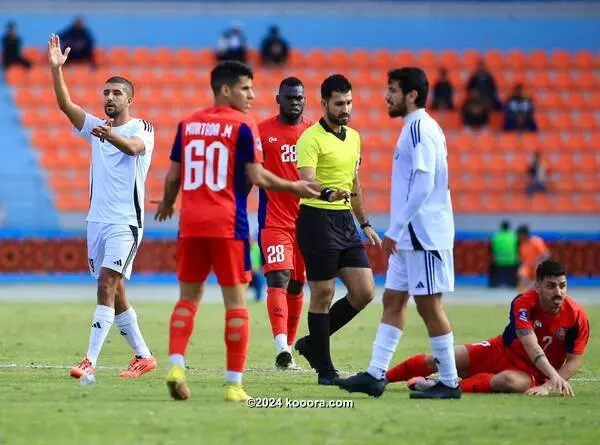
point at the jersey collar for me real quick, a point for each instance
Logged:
(417, 114)
(341, 135)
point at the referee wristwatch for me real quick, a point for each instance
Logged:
(363, 226)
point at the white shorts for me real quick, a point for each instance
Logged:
(421, 272)
(112, 246)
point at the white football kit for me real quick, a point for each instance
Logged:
(421, 220)
(116, 213)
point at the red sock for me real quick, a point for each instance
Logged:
(181, 326)
(477, 383)
(278, 310)
(236, 338)
(294, 304)
(413, 367)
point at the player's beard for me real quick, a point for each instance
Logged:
(116, 111)
(337, 120)
(398, 110)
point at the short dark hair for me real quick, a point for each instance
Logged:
(291, 82)
(228, 73)
(411, 78)
(334, 83)
(549, 268)
(126, 83)
(505, 225)
(523, 230)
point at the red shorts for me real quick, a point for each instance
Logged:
(491, 356)
(229, 258)
(281, 252)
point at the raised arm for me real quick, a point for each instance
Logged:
(57, 59)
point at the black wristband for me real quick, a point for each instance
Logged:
(365, 225)
(326, 194)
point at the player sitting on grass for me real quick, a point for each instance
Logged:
(539, 351)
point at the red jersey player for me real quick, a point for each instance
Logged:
(216, 150)
(277, 213)
(539, 351)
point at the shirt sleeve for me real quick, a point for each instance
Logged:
(89, 124)
(146, 133)
(307, 151)
(580, 336)
(177, 148)
(249, 146)
(522, 314)
(424, 149)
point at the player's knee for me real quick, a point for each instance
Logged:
(362, 297)
(278, 279)
(295, 287)
(394, 301)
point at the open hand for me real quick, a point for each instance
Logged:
(541, 390)
(306, 189)
(389, 246)
(56, 58)
(561, 386)
(162, 212)
(372, 236)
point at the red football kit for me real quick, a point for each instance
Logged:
(558, 334)
(213, 146)
(277, 211)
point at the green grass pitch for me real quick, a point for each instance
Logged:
(44, 406)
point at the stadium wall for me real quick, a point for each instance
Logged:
(199, 30)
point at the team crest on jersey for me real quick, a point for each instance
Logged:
(537, 324)
(561, 333)
(272, 139)
(523, 315)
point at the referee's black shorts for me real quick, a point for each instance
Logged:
(329, 241)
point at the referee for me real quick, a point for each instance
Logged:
(329, 152)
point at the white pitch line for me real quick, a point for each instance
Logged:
(209, 370)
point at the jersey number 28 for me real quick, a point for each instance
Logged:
(200, 165)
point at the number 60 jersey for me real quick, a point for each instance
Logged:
(213, 146)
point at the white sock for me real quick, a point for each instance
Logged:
(177, 359)
(103, 320)
(384, 346)
(129, 328)
(233, 377)
(443, 354)
(280, 342)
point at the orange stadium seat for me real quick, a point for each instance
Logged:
(470, 58)
(383, 59)
(339, 58)
(538, 59)
(185, 57)
(427, 59)
(449, 59)
(164, 57)
(494, 59)
(317, 57)
(561, 59)
(515, 60)
(119, 56)
(404, 57)
(34, 55)
(297, 59)
(583, 60)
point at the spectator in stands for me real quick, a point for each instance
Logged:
(476, 109)
(538, 173)
(232, 44)
(274, 49)
(504, 247)
(443, 92)
(518, 111)
(11, 48)
(532, 251)
(81, 42)
(483, 81)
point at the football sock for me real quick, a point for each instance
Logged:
(318, 326)
(128, 326)
(181, 327)
(236, 341)
(477, 383)
(413, 367)
(384, 346)
(294, 304)
(340, 314)
(443, 353)
(278, 310)
(104, 317)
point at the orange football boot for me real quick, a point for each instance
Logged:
(85, 367)
(139, 366)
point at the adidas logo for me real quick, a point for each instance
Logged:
(97, 325)
(123, 333)
(118, 263)
(420, 285)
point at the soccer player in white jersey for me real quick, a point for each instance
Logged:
(419, 240)
(121, 153)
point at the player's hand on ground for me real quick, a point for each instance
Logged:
(306, 189)
(541, 390)
(103, 131)
(56, 58)
(561, 386)
(372, 236)
(163, 212)
(389, 245)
